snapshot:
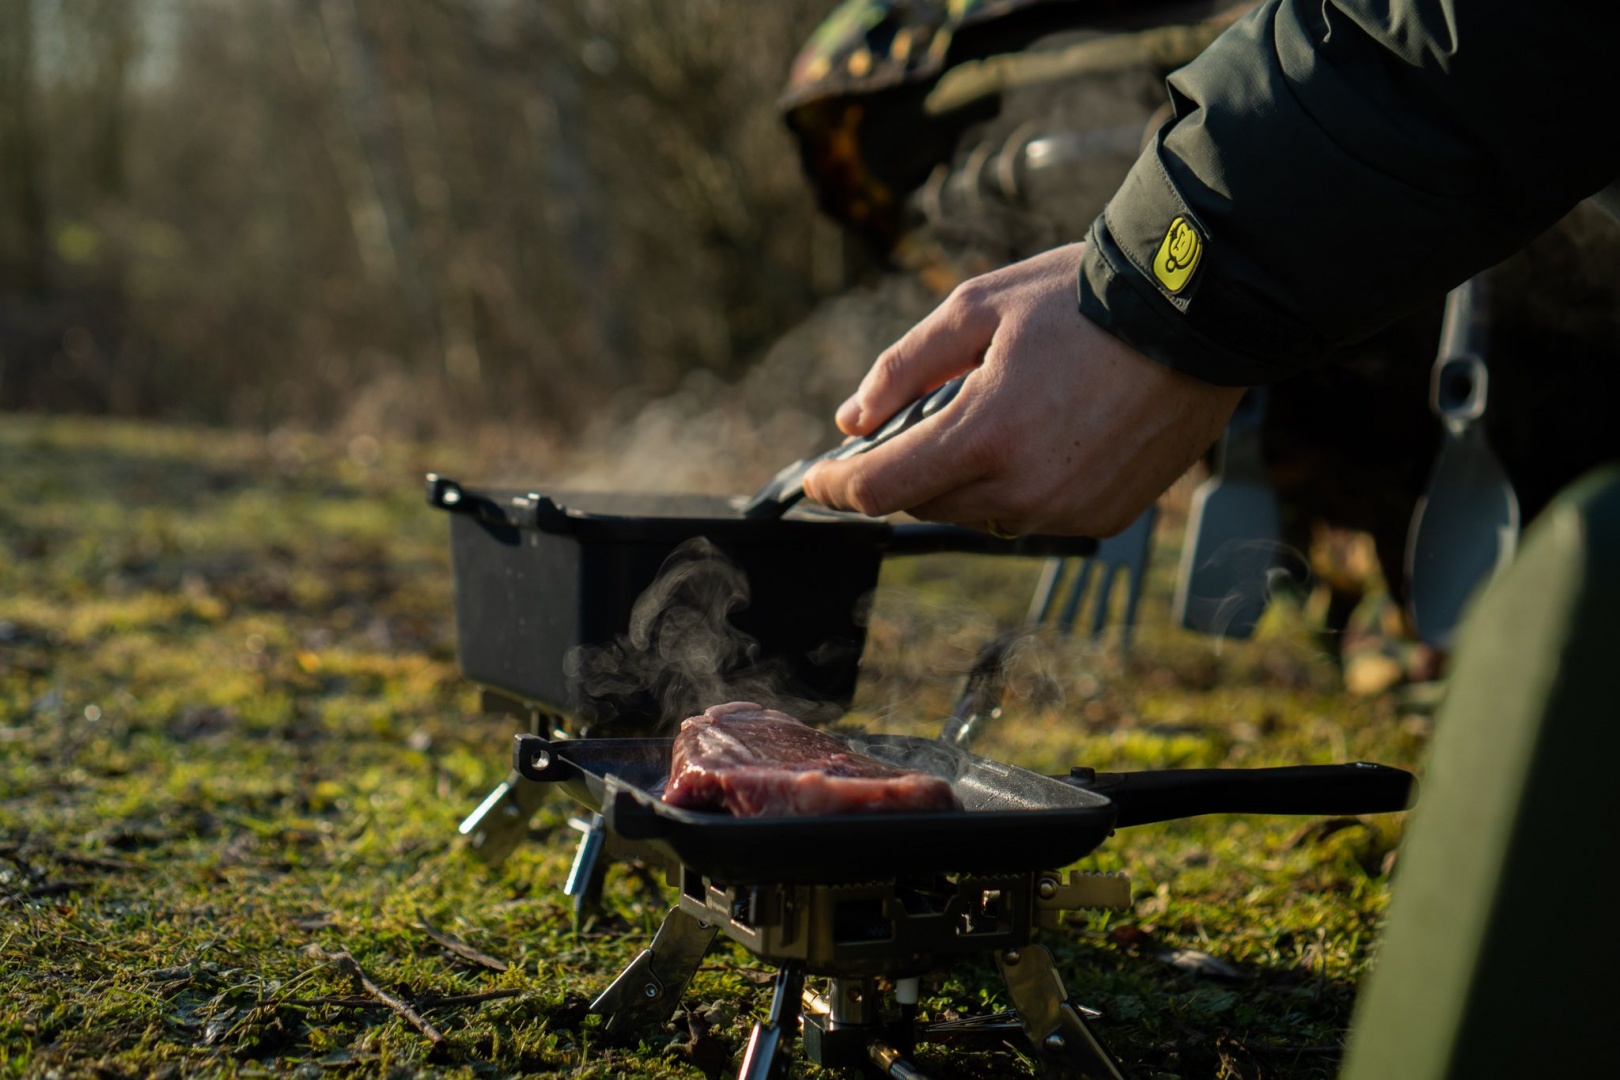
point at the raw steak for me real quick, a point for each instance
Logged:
(757, 762)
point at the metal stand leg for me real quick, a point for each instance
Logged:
(501, 821)
(764, 1059)
(590, 867)
(1064, 1046)
(646, 993)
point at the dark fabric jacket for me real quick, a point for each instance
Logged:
(1335, 164)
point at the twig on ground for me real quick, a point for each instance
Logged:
(22, 853)
(50, 888)
(349, 964)
(56, 888)
(459, 947)
(450, 1001)
(94, 862)
(471, 999)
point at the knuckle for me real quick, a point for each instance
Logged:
(888, 364)
(815, 485)
(987, 452)
(969, 296)
(863, 494)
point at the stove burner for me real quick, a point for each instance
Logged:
(897, 929)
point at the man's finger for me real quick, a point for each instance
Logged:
(950, 340)
(914, 467)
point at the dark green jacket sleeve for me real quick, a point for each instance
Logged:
(1335, 164)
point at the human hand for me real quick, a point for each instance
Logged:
(1060, 428)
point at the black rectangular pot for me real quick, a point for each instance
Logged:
(546, 587)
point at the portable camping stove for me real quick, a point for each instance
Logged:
(872, 902)
(864, 936)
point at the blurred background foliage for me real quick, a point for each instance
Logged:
(430, 211)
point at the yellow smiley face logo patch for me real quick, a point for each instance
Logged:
(1178, 255)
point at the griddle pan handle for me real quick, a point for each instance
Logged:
(922, 539)
(1314, 790)
(534, 758)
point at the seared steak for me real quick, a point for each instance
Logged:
(757, 762)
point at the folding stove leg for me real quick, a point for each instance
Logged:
(765, 1058)
(645, 994)
(590, 867)
(1063, 1044)
(501, 821)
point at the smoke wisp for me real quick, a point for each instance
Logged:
(683, 654)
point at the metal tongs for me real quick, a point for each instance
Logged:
(787, 487)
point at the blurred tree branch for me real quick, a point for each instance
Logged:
(23, 236)
(289, 209)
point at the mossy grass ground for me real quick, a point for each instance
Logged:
(232, 728)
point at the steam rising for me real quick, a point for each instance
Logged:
(682, 653)
(1252, 573)
(949, 763)
(710, 435)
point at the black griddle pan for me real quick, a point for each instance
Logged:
(1013, 820)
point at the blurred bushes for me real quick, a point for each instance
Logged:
(432, 210)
